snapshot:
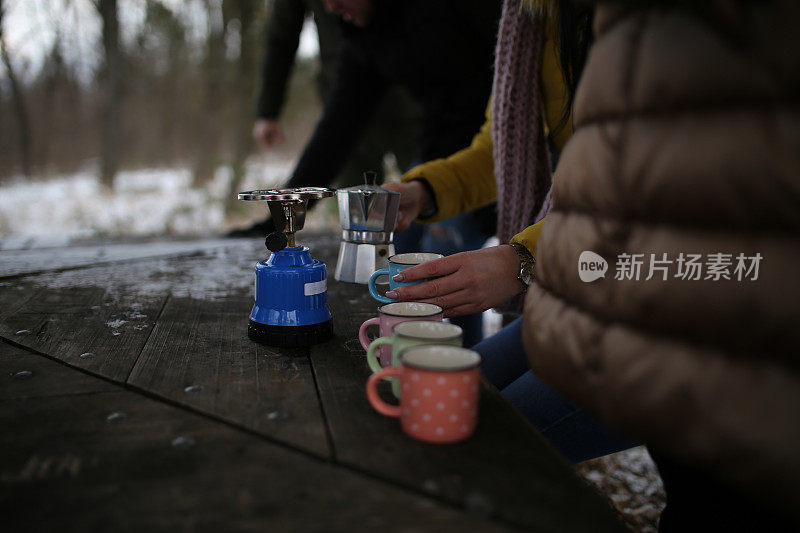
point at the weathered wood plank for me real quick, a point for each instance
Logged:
(68, 464)
(70, 322)
(199, 355)
(109, 311)
(17, 262)
(13, 296)
(505, 470)
(24, 375)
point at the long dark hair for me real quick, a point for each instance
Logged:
(573, 39)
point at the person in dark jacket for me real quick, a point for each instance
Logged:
(440, 52)
(284, 26)
(391, 129)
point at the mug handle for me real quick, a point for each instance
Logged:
(362, 331)
(373, 291)
(372, 392)
(372, 359)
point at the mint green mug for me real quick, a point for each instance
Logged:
(408, 334)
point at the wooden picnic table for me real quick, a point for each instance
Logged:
(132, 398)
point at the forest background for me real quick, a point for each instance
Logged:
(113, 110)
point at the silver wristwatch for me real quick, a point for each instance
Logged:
(526, 263)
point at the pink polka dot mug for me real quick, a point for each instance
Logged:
(439, 401)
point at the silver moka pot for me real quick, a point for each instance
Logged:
(368, 214)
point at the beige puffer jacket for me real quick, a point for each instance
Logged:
(687, 140)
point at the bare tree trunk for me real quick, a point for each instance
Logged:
(52, 77)
(109, 161)
(207, 149)
(244, 84)
(18, 102)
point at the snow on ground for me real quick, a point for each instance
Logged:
(146, 202)
(631, 482)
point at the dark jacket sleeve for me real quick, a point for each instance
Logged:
(282, 38)
(357, 89)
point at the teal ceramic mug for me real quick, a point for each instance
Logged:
(398, 263)
(408, 334)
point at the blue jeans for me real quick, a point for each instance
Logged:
(450, 236)
(569, 428)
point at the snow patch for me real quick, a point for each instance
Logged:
(35, 214)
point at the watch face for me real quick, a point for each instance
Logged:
(525, 275)
(526, 263)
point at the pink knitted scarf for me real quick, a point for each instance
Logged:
(521, 164)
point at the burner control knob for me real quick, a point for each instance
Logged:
(276, 241)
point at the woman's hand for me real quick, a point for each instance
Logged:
(464, 283)
(414, 199)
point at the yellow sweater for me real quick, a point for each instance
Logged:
(465, 180)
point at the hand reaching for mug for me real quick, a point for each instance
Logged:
(465, 283)
(414, 199)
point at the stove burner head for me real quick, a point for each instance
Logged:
(288, 209)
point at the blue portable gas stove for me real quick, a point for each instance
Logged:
(291, 287)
